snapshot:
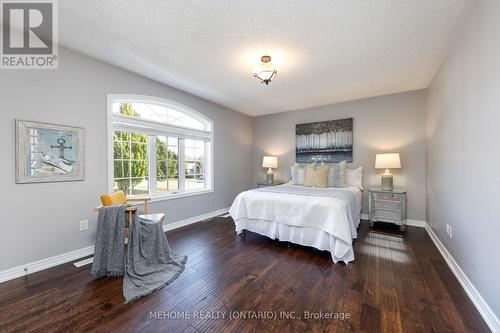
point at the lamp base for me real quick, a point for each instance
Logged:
(269, 178)
(387, 183)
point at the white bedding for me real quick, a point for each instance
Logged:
(322, 218)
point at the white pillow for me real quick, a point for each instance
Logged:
(337, 174)
(298, 175)
(354, 177)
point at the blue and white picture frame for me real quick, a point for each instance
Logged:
(48, 152)
(325, 141)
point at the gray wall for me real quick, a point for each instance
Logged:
(42, 220)
(393, 123)
(463, 150)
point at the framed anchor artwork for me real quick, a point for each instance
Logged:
(48, 152)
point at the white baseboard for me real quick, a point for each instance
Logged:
(36, 266)
(413, 223)
(416, 223)
(199, 218)
(484, 310)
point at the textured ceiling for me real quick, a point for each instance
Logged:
(327, 51)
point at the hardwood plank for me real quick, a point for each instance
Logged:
(398, 283)
(370, 318)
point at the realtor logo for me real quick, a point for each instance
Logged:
(29, 34)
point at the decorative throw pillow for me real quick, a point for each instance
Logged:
(298, 174)
(354, 177)
(316, 176)
(337, 174)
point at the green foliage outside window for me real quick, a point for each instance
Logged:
(131, 157)
(130, 154)
(166, 161)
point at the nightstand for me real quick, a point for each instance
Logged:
(387, 206)
(259, 185)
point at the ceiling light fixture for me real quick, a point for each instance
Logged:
(265, 71)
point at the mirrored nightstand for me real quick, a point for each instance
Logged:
(387, 206)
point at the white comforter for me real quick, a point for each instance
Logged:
(326, 210)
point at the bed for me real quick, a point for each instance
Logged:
(323, 218)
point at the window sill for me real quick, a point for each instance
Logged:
(173, 196)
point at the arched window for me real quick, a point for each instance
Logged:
(158, 147)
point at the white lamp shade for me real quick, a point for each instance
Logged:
(264, 71)
(270, 162)
(265, 74)
(387, 161)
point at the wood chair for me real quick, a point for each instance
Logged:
(119, 198)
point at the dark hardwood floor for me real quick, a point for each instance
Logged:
(395, 284)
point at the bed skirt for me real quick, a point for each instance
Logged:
(298, 235)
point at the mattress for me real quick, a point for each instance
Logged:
(326, 219)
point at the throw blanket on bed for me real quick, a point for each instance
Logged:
(109, 253)
(150, 265)
(330, 192)
(329, 210)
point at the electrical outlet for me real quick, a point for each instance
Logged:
(84, 225)
(449, 231)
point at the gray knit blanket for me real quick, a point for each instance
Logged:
(150, 265)
(146, 263)
(109, 252)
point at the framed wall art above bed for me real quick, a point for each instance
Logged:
(48, 152)
(325, 141)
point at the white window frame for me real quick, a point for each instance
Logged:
(154, 128)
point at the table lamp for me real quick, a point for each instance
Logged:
(270, 162)
(387, 161)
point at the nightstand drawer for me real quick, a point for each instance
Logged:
(394, 205)
(387, 196)
(386, 214)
